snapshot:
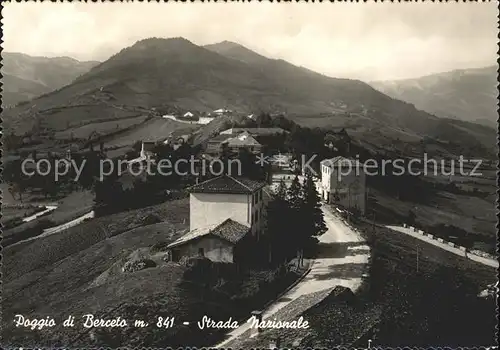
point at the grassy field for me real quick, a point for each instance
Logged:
(70, 207)
(78, 271)
(29, 256)
(476, 214)
(429, 301)
(156, 129)
(473, 214)
(49, 276)
(84, 131)
(10, 213)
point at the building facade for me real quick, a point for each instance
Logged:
(232, 144)
(147, 149)
(242, 141)
(215, 200)
(223, 242)
(343, 182)
(226, 213)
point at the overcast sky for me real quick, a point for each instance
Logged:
(356, 40)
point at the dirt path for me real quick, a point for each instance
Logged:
(52, 230)
(48, 209)
(342, 260)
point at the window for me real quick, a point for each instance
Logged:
(201, 252)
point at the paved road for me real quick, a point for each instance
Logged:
(48, 209)
(342, 260)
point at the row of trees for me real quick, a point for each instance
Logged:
(118, 192)
(294, 218)
(52, 176)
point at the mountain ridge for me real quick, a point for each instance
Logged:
(27, 77)
(464, 94)
(157, 72)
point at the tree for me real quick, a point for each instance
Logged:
(313, 215)
(411, 218)
(250, 166)
(90, 170)
(109, 194)
(163, 151)
(49, 185)
(263, 120)
(17, 179)
(278, 225)
(294, 194)
(296, 218)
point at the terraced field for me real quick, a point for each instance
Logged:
(156, 129)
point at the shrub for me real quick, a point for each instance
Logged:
(151, 219)
(12, 223)
(137, 265)
(199, 270)
(159, 247)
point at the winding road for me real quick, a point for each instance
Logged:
(342, 260)
(48, 209)
(52, 230)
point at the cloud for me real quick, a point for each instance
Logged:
(367, 41)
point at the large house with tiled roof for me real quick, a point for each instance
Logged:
(233, 144)
(244, 140)
(215, 144)
(225, 212)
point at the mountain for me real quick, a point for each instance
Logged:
(26, 77)
(161, 73)
(238, 52)
(467, 94)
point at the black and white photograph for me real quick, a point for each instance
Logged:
(243, 175)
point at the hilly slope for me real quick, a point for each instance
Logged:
(238, 52)
(163, 73)
(469, 94)
(17, 89)
(26, 77)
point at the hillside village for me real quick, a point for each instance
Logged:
(239, 222)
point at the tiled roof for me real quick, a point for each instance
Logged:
(339, 160)
(220, 138)
(237, 141)
(228, 230)
(231, 231)
(260, 131)
(227, 184)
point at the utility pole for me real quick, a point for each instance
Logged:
(417, 255)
